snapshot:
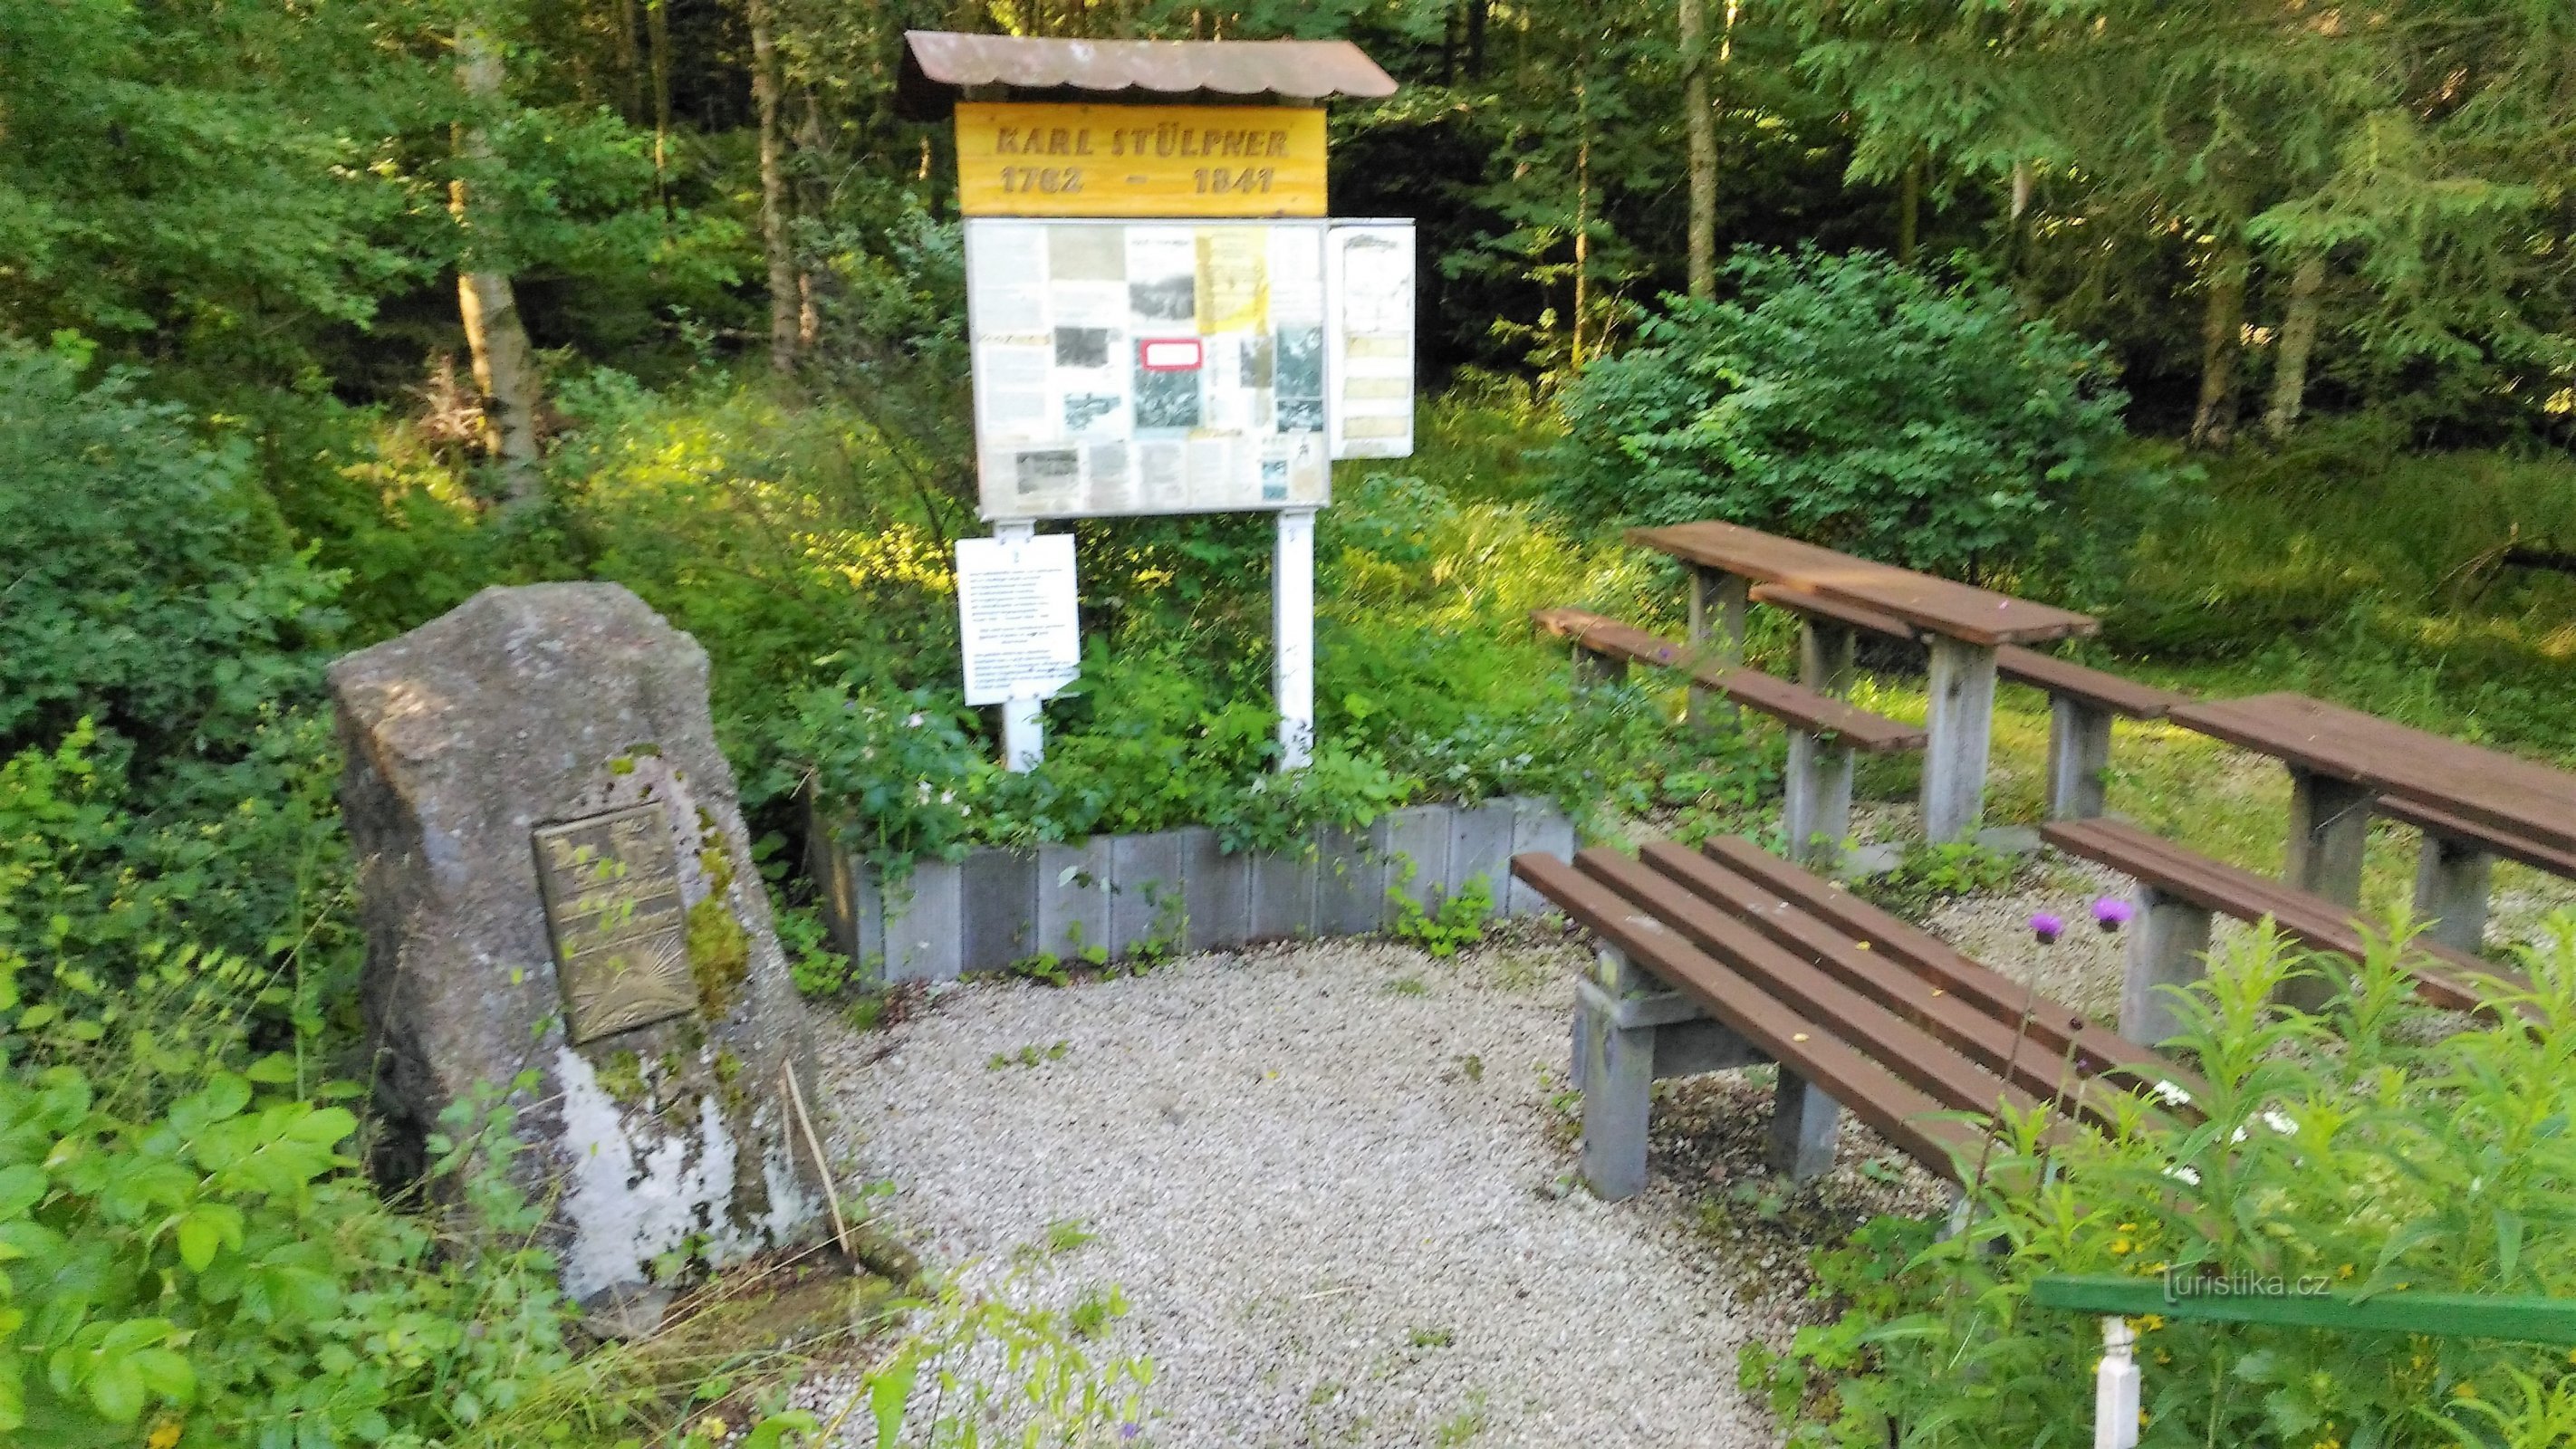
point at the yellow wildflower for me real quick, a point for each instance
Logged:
(163, 1435)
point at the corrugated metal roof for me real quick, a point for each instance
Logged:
(939, 63)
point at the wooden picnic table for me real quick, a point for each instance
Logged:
(1962, 625)
(2471, 803)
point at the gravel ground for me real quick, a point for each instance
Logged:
(1332, 1186)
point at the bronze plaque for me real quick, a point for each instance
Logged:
(620, 929)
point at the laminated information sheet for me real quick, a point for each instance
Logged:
(1369, 274)
(1149, 367)
(1017, 617)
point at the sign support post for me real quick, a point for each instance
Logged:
(1292, 635)
(1023, 714)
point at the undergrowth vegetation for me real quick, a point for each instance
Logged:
(2373, 1146)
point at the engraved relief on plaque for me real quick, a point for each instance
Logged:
(619, 926)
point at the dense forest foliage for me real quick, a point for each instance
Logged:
(2252, 326)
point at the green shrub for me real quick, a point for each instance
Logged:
(186, 1245)
(150, 585)
(1850, 402)
(2374, 1146)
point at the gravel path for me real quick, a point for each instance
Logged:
(1331, 1186)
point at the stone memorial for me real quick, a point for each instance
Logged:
(557, 882)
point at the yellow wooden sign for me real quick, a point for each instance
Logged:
(1053, 160)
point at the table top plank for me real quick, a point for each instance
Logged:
(2479, 786)
(1935, 605)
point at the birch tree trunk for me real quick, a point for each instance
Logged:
(2298, 338)
(2213, 422)
(783, 291)
(505, 366)
(1703, 149)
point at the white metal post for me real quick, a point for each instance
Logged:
(2115, 1388)
(1292, 627)
(1023, 717)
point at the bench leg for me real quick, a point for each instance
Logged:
(1827, 654)
(1615, 1068)
(2329, 825)
(1803, 1121)
(1592, 667)
(1717, 605)
(1961, 724)
(1817, 814)
(2168, 946)
(2451, 891)
(2079, 751)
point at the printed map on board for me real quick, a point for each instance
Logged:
(1148, 367)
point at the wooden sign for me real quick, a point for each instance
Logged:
(1067, 160)
(613, 909)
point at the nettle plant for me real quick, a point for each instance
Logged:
(2375, 1146)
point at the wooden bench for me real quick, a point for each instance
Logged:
(1823, 731)
(1730, 956)
(2178, 892)
(2082, 702)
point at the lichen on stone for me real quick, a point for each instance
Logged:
(719, 956)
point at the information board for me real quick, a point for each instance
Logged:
(1017, 618)
(1368, 274)
(1016, 159)
(1131, 367)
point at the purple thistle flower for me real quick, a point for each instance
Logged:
(1130, 1431)
(2046, 927)
(2111, 913)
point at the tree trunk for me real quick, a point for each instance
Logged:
(1909, 210)
(1477, 10)
(630, 65)
(810, 202)
(2213, 423)
(2298, 338)
(1582, 232)
(505, 369)
(783, 291)
(1702, 126)
(657, 28)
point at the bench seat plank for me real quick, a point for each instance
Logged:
(1934, 605)
(1825, 606)
(2097, 1051)
(2512, 845)
(2093, 686)
(1999, 1043)
(2512, 798)
(1751, 688)
(1898, 1045)
(1891, 1106)
(2442, 974)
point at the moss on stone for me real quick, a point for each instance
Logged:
(719, 956)
(622, 1078)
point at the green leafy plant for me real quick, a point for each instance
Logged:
(817, 969)
(2371, 1146)
(1931, 873)
(187, 1239)
(1458, 921)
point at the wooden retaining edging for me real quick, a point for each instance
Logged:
(1171, 890)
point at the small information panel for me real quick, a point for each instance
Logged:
(611, 889)
(1368, 274)
(1016, 617)
(1073, 160)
